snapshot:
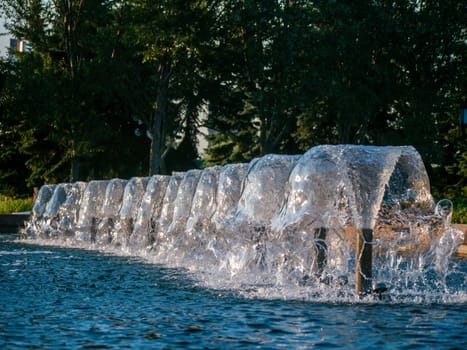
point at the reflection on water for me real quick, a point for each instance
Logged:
(68, 298)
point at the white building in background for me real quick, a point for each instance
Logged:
(19, 45)
(3, 39)
(9, 43)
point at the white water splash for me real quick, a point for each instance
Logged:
(278, 227)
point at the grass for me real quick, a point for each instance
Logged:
(10, 205)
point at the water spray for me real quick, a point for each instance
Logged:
(332, 218)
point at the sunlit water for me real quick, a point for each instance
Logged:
(69, 298)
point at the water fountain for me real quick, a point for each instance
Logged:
(347, 219)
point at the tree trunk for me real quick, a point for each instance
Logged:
(364, 130)
(155, 152)
(74, 170)
(156, 163)
(263, 138)
(69, 9)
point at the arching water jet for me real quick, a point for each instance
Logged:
(337, 219)
(110, 208)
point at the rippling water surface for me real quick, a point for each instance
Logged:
(68, 298)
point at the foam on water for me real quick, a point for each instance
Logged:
(278, 227)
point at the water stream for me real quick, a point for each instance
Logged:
(278, 227)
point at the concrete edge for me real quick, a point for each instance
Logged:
(462, 250)
(12, 223)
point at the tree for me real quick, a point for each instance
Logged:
(385, 73)
(278, 76)
(70, 89)
(261, 49)
(171, 33)
(12, 165)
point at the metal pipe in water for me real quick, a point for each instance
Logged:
(321, 248)
(363, 264)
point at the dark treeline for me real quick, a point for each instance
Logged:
(122, 88)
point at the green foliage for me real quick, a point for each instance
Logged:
(70, 99)
(172, 35)
(263, 77)
(459, 215)
(253, 111)
(10, 205)
(459, 170)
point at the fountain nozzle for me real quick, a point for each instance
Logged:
(378, 289)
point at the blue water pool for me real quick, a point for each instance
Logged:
(69, 298)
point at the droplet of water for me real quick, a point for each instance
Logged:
(445, 208)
